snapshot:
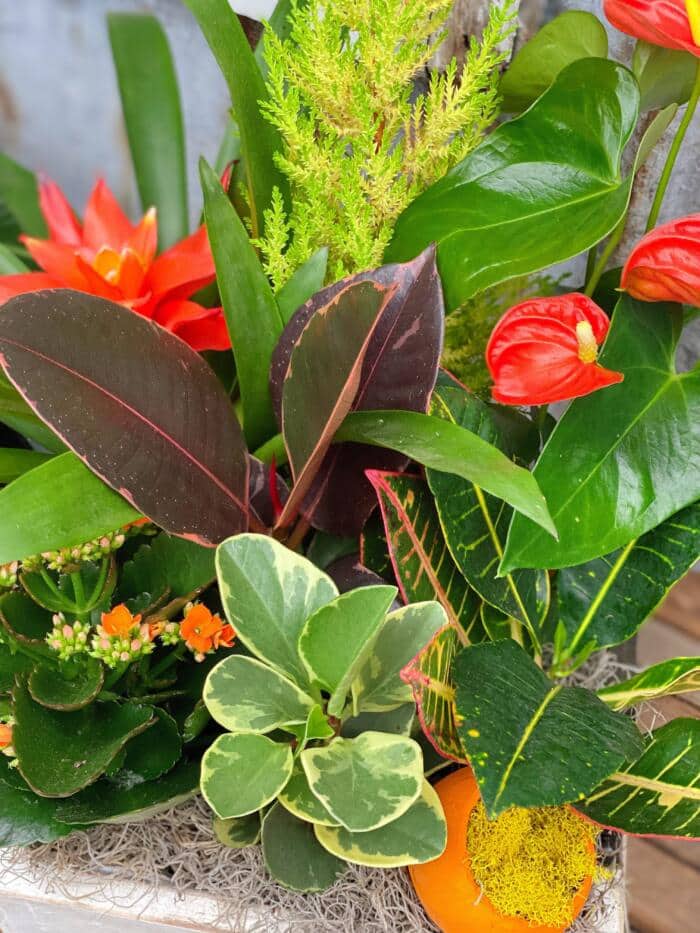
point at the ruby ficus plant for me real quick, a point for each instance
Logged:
(248, 511)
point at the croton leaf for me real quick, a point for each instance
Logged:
(624, 475)
(368, 781)
(268, 592)
(422, 562)
(177, 454)
(238, 832)
(263, 502)
(659, 793)
(419, 835)
(337, 639)
(59, 753)
(69, 687)
(242, 773)
(677, 675)
(349, 573)
(25, 817)
(500, 212)
(293, 856)
(398, 371)
(430, 676)
(605, 601)
(475, 524)
(245, 695)
(166, 563)
(530, 742)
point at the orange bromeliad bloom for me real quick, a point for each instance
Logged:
(203, 631)
(119, 621)
(108, 256)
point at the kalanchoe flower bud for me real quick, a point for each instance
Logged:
(121, 638)
(8, 575)
(68, 639)
(71, 557)
(171, 634)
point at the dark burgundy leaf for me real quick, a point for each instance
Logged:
(260, 493)
(136, 404)
(349, 572)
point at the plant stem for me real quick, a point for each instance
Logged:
(99, 586)
(610, 247)
(167, 662)
(298, 534)
(45, 576)
(78, 588)
(674, 150)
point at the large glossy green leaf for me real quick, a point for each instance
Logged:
(20, 196)
(16, 414)
(15, 462)
(252, 316)
(501, 212)
(293, 856)
(268, 593)
(36, 520)
(449, 448)
(565, 39)
(242, 773)
(665, 76)
(605, 601)
(25, 817)
(677, 675)
(153, 117)
(475, 524)
(259, 139)
(627, 471)
(177, 454)
(530, 742)
(422, 563)
(659, 793)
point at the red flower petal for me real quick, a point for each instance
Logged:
(665, 264)
(201, 328)
(57, 259)
(661, 22)
(105, 223)
(11, 285)
(184, 268)
(60, 218)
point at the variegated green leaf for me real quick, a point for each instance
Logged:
(339, 636)
(238, 832)
(430, 676)
(245, 695)
(299, 799)
(475, 524)
(422, 562)
(659, 793)
(604, 602)
(378, 686)
(241, 773)
(531, 742)
(315, 727)
(268, 593)
(678, 675)
(419, 835)
(293, 856)
(366, 782)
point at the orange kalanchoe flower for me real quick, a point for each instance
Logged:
(108, 256)
(203, 631)
(119, 621)
(5, 735)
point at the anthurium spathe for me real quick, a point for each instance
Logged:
(665, 264)
(546, 349)
(672, 24)
(108, 256)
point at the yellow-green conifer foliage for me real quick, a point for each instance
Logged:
(359, 144)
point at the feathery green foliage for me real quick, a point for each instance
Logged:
(359, 145)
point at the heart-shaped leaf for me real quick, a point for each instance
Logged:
(500, 212)
(59, 753)
(659, 793)
(399, 369)
(242, 773)
(530, 742)
(419, 835)
(69, 687)
(268, 593)
(167, 563)
(649, 418)
(244, 695)
(677, 675)
(177, 454)
(339, 636)
(366, 782)
(293, 856)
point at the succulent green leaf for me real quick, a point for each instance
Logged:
(70, 687)
(152, 753)
(678, 675)
(293, 856)
(167, 563)
(25, 817)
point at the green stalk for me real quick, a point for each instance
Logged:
(674, 150)
(602, 262)
(78, 588)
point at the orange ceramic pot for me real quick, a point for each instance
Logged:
(446, 886)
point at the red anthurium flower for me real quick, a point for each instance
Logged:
(108, 256)
(672, 24)
(545, 350)
(665, 264)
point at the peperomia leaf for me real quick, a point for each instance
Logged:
(25, 817)
(649, 418)
(378, 685)
(530, 742)
(177, 454)
(605, 601)
(242, 773)
(293, 856)
(167, 563)
(422, 562)
(239, 832)
(399, 369)
(337, 639)
(59, 753)
(500, 212)
(269, 592)
(70, 687)
(299, 799)
(153, 118)
(245, 695)
(677, 675)
(659, 793)
(368, 781)
(419, 835)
